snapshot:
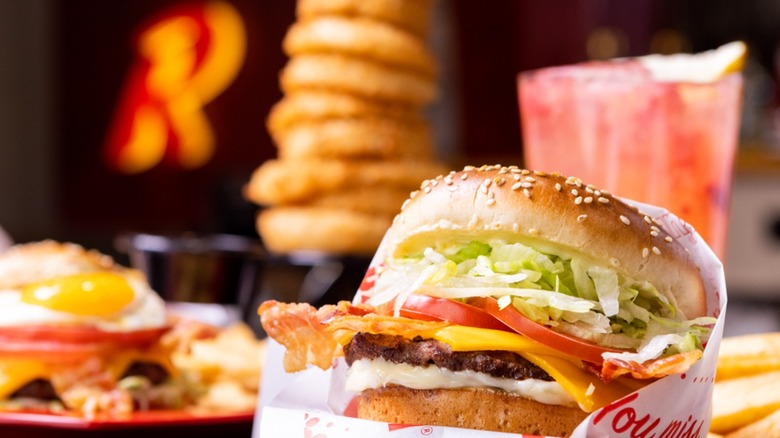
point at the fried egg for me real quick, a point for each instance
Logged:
(50, 283)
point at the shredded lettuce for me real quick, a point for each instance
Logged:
(566, 293)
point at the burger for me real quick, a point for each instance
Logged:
(508, 300)
(80, 334)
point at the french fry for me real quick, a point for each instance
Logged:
(740, 401)
(228, 365)
(747, 355)
(768, 426)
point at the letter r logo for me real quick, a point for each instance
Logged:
(184, 59)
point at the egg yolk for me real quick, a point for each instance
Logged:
(94, 294)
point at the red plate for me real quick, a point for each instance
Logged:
(147, 424)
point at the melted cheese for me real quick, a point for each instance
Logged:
(15, 373)
(588, 391)
(364, 374)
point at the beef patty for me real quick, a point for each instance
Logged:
(42, 389)
(425, 352)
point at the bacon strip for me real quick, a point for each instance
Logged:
(675, 364)
(309, 335)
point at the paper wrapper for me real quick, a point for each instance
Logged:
(312, 403)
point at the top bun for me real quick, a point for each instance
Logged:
(554, 214)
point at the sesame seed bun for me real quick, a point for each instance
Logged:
(554, 214)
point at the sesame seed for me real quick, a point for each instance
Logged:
(406, 203)
(469, 168)
(503, 170)
(539, 173)
(453, 188)
(589, 188)
(654, 233)
(558, 187)
(533, 231)
(625, 220)
(603, 200)
(656, 251)
(647, 219)
(434, 183)
(578, 200)
(526, 185)
(575, 192)
(448, 180)
(517, 186)
(464, 176)
(588, 199)
(668, 239)
(500, 181)
(525, 171)
(582, 217)
(527, 193)
(516, 176)
(490, 202)
(530, 179)
(514, 169)
(597, 192)
(487, 182)
(427, 189)
(645, 253)
(483, 189)
(414, 193)
(654, 228)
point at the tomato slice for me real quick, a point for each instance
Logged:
(518, 322)
(81, 334)
(70, 343)
(442, 309)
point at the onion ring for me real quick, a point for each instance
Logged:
(356, 76)
(286, 181)
(414, 15)
(290, 229)
(362, 38)
(371, 199)
(355, 139)
(310, 105)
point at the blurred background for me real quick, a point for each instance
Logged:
(66, 67)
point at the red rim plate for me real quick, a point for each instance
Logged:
(163, 418)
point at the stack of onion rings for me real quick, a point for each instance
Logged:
(350, 132)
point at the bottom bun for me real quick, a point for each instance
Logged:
(483, 409)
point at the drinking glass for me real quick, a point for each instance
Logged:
(613, 125)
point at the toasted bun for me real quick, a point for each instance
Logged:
(31, 262)
(470, 408)
(551, 213)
